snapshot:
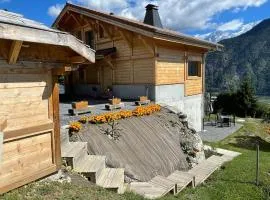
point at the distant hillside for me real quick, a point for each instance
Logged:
(247, 54)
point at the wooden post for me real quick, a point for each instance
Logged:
(257, 165)
(56, 119)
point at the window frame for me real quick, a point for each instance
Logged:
(198, 73)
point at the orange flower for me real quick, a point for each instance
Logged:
(75, 126)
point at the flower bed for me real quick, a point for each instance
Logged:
(75, 126)
(113, 116)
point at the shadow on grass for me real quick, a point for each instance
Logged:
(250, 142)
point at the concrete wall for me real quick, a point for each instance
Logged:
(132, 92)
(193, 107)
(173, 95)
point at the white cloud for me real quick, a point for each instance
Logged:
(54, 10)
(180, 15)
(231, 25)
(105, 5)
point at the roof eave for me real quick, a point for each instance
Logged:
(22, 33)
(147, 31)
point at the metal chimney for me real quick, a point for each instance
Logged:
(152, 16)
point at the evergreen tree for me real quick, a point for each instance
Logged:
(246, 98)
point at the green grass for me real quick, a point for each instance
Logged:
(235, 181)
(264, 99)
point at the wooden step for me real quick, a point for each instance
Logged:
(90, 164)
(147, 190)
(112, 178)
(73, 148)
(167, 184)
(226, 152)
(220, 160)
(73, 152)
(203, 170)
(182, 180)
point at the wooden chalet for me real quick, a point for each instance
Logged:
(137, 59)
(31, 58)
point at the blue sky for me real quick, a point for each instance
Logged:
(188, 16)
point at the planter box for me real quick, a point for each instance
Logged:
(143, 98)
(115, 101)
(80, 105)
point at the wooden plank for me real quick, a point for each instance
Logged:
(56, 135)
(15, 134)
(27, 179)
(14, 51)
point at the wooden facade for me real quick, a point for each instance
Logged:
(29, 99)
(140, 58)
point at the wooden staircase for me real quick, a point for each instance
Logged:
(178, 180)
(94, 168)
(91, 166)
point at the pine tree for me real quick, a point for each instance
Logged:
(246, 97)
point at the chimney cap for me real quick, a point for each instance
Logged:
(151, 6)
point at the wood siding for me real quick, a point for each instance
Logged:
(30, 149)
(25, 157)
(170, 66)
(132, 64)
(141, 60)
(24, 94)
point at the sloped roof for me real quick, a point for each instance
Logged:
(14, 26)
(139, 27)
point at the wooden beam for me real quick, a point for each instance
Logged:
(106, 29)
(62, 70)
(25, 132)
(147, 45)
(77, 59)
(14, 51)
(125, 37)
(76, 20)
(56, 121)
(3, 124)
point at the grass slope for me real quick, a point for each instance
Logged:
(234, 181)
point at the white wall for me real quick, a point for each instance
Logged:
(193, 107)
(173, 95)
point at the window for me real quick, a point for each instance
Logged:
(194, 68)
(90, 39)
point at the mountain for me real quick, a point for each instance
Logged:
(245, 55)
(219, 35)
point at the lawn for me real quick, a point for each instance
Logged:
(234, 181)
(264, 100)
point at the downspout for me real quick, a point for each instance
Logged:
(203, 89)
